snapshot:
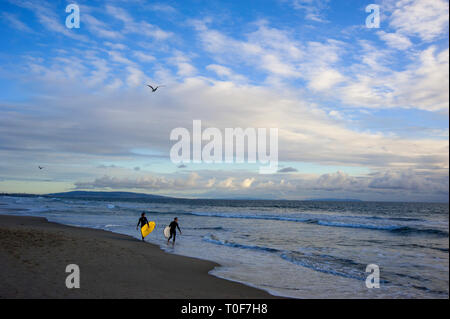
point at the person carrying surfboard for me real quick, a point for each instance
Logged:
(173, 230)
(142, 221)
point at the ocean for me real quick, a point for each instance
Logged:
(301, 249)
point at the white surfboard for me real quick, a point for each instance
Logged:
(167, 232)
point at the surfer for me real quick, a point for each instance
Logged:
(173, 229)
(142, 221)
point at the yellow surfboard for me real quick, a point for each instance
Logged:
(147, 228)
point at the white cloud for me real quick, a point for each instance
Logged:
(337, 181)
(226, 73)
(144, 57)
(227, 183)
(423, 84)
(275, 66)
(324, 79)
(162, 7)
(48, 18)
(371, 82)
(247, 183)
(135, 77)
(382, 185)
(152, 31)
(115, 46)
(118, 57)
(313, 9)
(336, 114)
(142, 27)
(395, 40)
(14, 21)
(306, 133)
(220, 70)
(114, 85)
(276, 53)
(425, 19)
(183, 63)
(100, 28)
(185, 69)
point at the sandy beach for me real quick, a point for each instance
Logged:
(34, 254)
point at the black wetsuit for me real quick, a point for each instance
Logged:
(173, 230)
(142, 221)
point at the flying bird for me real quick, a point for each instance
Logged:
(40, 167)
(154, 88)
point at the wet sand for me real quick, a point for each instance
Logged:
(34, 254)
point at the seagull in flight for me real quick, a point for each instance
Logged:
(154, 88)
(40, 167)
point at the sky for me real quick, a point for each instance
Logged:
(361, 113)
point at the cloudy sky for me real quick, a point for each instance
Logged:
(361, 112)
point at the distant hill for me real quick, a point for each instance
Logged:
(116, 195)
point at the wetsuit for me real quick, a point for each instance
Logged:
(173, 230)
(142, 221)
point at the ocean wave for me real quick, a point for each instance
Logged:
(429, 231)
(241, 216)
(398, 229)
(402, 219)
(329, 265)
(214, 240)
(207, 228)
(445, 250)
(354, 225)
(439, 292)
(318, 262)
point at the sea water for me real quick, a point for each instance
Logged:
(301, 249)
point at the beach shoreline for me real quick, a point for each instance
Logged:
(34, 254)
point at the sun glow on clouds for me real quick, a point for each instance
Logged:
(88, 103)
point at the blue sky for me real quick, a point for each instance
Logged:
(361, 112)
